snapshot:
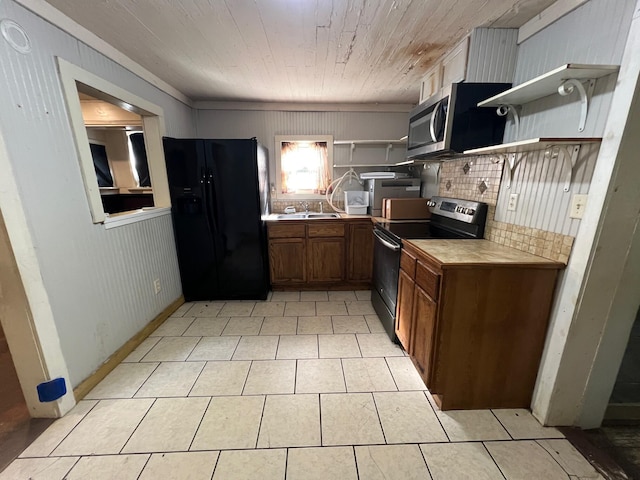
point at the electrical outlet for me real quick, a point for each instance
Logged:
(578, 204)
(513, 202)
(156, 285)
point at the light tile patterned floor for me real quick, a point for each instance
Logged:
(304, 386)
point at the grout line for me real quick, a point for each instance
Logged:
(69, 433)
(195, 433)
(286, 462)
(494, 460)
(213, 472)
(264, 405)
(320, 417)
(244, 385)
(392, 375)
(424, 459)
(137, 426)
(436, 415)
(145, 381)
(204, 365)
(355, 460)
(375, 405)
(145, 465)
(502, 424)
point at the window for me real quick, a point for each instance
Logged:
(304, 165)
(120, 114)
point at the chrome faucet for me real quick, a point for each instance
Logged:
(305, 205)
(321, 207)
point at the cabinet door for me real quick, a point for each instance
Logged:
(326, 259)
(360, 252)
(287, 260)
(431, 83)
(404, 308)
(454, 65)
(422, 332)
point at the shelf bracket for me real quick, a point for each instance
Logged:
(389, 147)
(569, 156)
(504, 110)
(351, 149)
(511, 164)
(438, 167)
(567, 88)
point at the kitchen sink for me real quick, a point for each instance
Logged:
(306, 216)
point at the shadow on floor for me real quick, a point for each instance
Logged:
(613, 449)
(17, 428)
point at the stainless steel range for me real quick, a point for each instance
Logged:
(450, 218)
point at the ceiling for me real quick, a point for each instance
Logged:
(337, 51)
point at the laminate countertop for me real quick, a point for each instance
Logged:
(478, 252)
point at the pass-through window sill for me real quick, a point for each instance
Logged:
(125, 218)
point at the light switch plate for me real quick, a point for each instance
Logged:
(578, 204)
(513, 202)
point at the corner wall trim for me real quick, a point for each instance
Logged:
(114, 360)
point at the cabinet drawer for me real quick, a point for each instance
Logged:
(428, 280)
(408, 264)
(326, 230)
(286, 231)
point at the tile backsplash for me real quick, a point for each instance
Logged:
(472, 178)
(478, 179)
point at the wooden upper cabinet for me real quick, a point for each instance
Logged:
(431, 82)
(404, 310)
(360, 262)
(287, 260)
(454, 65)
(451, 68)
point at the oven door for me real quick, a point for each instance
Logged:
(386, 266)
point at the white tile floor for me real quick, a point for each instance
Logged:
(304, 386)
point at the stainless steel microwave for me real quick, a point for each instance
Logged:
(451, 122)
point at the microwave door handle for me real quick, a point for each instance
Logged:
(386, 243)
(432, 122)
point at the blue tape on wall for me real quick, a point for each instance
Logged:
(52, 390)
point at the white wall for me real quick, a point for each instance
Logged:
(266, 124)
(98, 282)
(594, 309)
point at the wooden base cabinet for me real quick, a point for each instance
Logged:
(475, 332)
(319, 254)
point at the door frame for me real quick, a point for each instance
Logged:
(25, 312)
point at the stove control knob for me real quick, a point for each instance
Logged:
(470, 211)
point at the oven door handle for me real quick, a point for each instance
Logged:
(386, 243)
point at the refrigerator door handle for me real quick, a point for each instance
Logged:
(205, 192)
(211, 191)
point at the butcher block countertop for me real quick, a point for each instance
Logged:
(478, 252)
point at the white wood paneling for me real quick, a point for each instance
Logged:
(265, 125)
(290, 50)
(539, 182)
(547, 17)
(492, 55)
(594, 33)
(99, 282)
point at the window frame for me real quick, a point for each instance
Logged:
(153, 127)
(279, 139)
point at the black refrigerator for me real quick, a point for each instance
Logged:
(219, 192)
